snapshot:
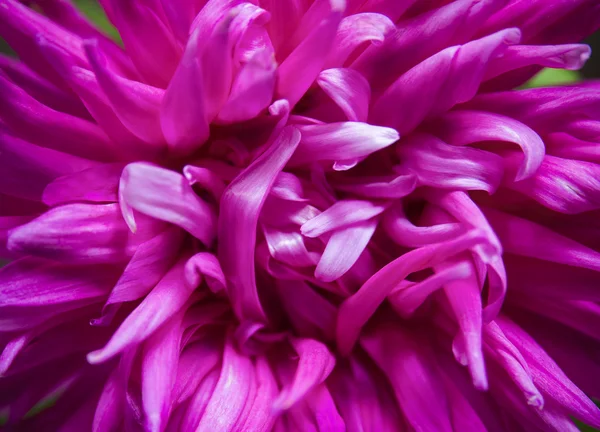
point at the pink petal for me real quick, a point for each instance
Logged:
(137, 105)
(357, 309)
(471, 127)
(340, 214)
(165, 195)
(240, 207)
(354, 30)
(349, 90)
(98, 184)
(314, 366)
(27, 169)
(413, 375)
(162, 303)
(231, 395)
(421, 99)
(341, 141)
(445, 166)
(83, 233)
(344, 249)
(298, 71)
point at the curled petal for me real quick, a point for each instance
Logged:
(421, 98)
(470, 127)
(165, 195)
(357, 309)
(349, 90)
(314, 366)
(240, 206)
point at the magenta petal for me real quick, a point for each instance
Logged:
(137, 105)
(470, 127)
(414, 376)
(165, 195)
(563, 185)
(302, 66)
(98, 184)
(28, 169)
(230, 396)
(341, 141)
(357, 309)
(445, 166)
(339, 215)
(37, 282)
(343, 250)
(354, 30)
(159, 370)
(163, 302)
(421, 99)
(349, 90)
(240, 206)
(83, 233)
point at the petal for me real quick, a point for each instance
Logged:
(341, 141)
(441, 165)
(340, 214)
(563, 185)
(260, 416)
(349, 90)
(97, 184)
(41, 125)
(159, 371)
(353, 31)
(287, 246)
(298, 71)
(198, 89)
(147, 39)
(314, 366)
(344, 249)
(164, 301)
(37, 282)
(405, 233)
(451, 86)
(414, 376)
(83, 233)
(357, 309)
(165, 195)
(27, 169)
(239, 211)
(230, 396)
(137, 105)
(207, 266)
(471, 127)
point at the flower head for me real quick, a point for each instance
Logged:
(298, 215)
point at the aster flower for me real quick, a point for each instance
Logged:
(297, 215)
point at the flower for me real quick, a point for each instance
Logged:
(299, 215)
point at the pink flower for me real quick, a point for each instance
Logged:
(297, 215)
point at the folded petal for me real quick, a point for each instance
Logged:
(165, 195)
(471, 127)
(240, 207)
(314, 366)
(349, 90)
(441, 165)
